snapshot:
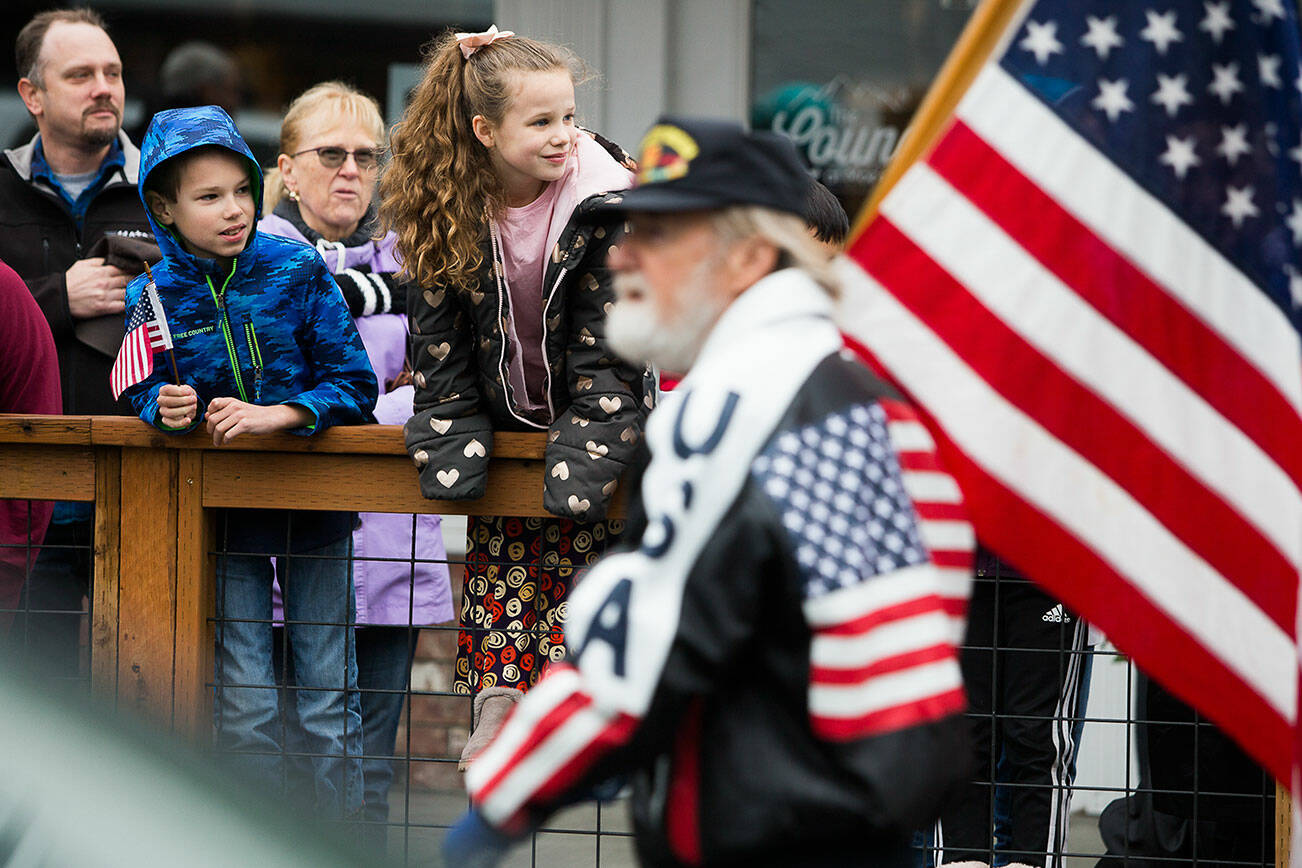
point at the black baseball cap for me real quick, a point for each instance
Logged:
(700, 164)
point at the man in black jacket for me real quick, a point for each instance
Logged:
(774, 663)
(72, 226)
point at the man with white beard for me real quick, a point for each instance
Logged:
(774, 661)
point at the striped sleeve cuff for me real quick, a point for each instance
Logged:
(369, 293)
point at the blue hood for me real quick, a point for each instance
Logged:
(176, 131)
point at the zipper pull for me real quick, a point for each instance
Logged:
(255, 360)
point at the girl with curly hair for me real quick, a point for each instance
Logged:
(492, 190)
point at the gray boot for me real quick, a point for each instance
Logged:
(489, 712)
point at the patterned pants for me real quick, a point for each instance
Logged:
(519, 572)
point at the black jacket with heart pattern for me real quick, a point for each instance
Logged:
(597, 403)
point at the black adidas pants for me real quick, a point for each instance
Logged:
(1023, 663)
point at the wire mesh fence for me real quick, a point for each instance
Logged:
(46, 565)
(1077, 759)
(343, 674)
(1176, 792)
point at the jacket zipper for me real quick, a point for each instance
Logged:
(499, 272)
(255, 356)
(547, 368)
(223, 317)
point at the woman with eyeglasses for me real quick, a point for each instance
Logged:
(321, 188)
(321, 193)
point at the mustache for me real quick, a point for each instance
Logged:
(103, 105)
(629, 281)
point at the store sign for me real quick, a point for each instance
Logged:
(842, 79)
(846, 132)
(841, 145)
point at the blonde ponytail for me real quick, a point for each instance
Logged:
(440, 183)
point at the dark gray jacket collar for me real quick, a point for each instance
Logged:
(21, 159)
(288, 209)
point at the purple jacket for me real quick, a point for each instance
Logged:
(380, 256)
(382, 586)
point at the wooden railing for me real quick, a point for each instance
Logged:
(153, 587)
(154, 494)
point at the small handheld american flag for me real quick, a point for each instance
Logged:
(146, 332)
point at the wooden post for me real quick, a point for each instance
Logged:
(155, 496)
(147, 593)
(106, 580)
(1283, 825)
(195, 591)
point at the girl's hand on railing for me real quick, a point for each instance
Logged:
(177, 406)
(228, 418)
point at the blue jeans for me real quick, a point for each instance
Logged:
(384, 657)
(319, 612)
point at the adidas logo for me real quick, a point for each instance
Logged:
(1056, 615)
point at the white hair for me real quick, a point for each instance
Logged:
(787, 232)
(636, 332)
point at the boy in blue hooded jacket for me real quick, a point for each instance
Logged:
(263, 342)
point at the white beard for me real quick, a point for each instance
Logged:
(634, 331)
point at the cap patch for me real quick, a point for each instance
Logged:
(666, 153)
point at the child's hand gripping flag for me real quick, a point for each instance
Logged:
(146, 331)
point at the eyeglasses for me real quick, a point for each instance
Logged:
(367, 159)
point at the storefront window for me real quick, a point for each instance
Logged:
(842, 78)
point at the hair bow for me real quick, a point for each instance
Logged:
(472, 42)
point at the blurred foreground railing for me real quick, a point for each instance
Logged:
(151, 627)
(151, 636)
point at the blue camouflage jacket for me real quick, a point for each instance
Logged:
(274, 329)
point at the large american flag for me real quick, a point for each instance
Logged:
(1091, 284)
(146, 332)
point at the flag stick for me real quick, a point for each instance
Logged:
(171, 357)
(176, 376)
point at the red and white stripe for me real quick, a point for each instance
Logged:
(942, 519)
(135, 360)
(883, 656)
(1119, 404)
(157, 338)
(884, 653)
(546, 745)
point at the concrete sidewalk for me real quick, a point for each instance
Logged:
(598, 836)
